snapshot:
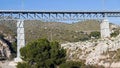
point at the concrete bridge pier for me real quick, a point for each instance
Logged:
(20, 39)
(104, 28)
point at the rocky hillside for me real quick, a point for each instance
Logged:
(52, 30)
(8, 30)
(62, 32)
(105, 52)
(59, 31)
(7, 38)
(5, 52)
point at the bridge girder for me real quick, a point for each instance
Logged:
(55, 15)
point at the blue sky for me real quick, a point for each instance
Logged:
(71, 5)
(59, 4)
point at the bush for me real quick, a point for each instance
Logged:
(95, 34)
(42, 54)
(84, 37)
(72, 64)
(1, 36)
(23, 65)
(115, 33)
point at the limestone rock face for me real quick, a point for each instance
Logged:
(93, 52)
(4, 50)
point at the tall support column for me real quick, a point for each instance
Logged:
(104, 28)
(20, 39)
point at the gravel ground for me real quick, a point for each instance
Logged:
(7, 64)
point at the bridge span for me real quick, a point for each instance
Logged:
(55, 15)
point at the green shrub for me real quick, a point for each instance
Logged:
(115, 33)
(42, 54)
(23, 65)
(95, 34)
(72, 64)
(1, 36)
(84, 37)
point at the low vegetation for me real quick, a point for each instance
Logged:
(72, 64)
(1, 36)
(115, 33)
(95, 34)
(42, 54)
(62, 32)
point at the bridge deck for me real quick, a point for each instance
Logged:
(55, 15)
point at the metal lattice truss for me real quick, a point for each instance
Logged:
(56, 15)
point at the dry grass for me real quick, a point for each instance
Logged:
(60, 32)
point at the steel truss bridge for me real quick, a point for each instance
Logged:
(55, 15)
(21, 15)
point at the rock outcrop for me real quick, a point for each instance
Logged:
(4, 49)
(93, 52)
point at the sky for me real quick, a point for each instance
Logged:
(60, 5)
